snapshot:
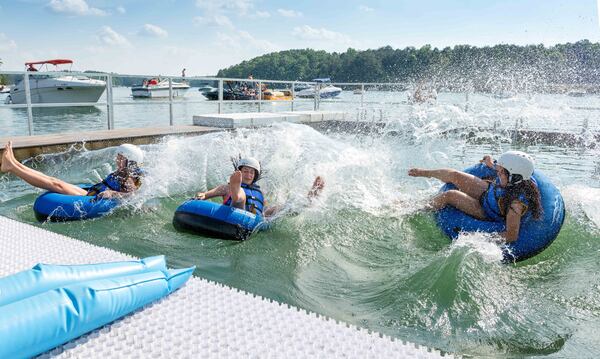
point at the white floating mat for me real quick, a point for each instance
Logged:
(201, 320)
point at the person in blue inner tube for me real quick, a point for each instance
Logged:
(510, 197)
(243, 192)
(126, 179)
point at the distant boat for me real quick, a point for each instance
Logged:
(358, 92)
(206, 88)
(46, 87)
(4, 89)
(325, 91)
(230, 94)
(156, 88)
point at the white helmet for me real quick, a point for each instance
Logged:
(131, 152)
(517, 163)
(252, 163)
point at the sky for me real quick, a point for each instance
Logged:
(151, 37)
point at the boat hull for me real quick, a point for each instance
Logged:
(146, 92)
(327, 92)
(58, 91)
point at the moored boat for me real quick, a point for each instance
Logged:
(46, 87)
(157, 87)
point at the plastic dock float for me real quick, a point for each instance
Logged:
(258, 119)
(201, 320)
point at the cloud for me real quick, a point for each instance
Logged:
(110, 37)
(310, 33)
(262, 14)
(121, 10)
(74, 7)
(214, 20)
(289, 13)
(150, 30)
(365, 8)
(243, 39)
(239, 6)
(6, 44)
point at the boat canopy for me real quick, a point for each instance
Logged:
(325, 79)
(51, 62)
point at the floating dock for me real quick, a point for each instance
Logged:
(30, 146)
(201, 320)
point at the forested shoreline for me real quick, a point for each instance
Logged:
(490, 69)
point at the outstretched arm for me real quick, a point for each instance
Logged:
(513, 221)
(219, 191)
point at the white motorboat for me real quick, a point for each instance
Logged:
(156, 87)
(46, 87)
(4, 89)
(325, 91)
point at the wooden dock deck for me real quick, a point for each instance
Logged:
(30, 146)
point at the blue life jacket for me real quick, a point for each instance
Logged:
(110, 182)
(492, 201)
(254, 199)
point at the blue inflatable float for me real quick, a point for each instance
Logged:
(50, 305)
(56, 207)
(534, 235)
(215, 220)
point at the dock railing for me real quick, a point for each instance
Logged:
(252, 85)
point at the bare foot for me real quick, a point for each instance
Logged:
(7, 158)
(417, 172)
(317, 187)
(235, 183)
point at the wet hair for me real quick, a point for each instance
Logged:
(518, 186)
(133, 171)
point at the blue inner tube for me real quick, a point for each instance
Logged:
(215, 220)
(534, 235)
(56, 207)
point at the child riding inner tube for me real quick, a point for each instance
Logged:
(93, 200)
(216, 220)
(534, 235)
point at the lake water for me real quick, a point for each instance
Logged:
(365, 252)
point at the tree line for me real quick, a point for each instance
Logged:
(462, 67)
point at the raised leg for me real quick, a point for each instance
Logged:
(460, 201)
(467, 183)
(35, 178)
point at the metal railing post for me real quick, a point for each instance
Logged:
(220, 95)
(259, 95)
(293, 95)
(362, 95)
(315, 94)
(110, 115)
(170, 102)
(28, 100)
